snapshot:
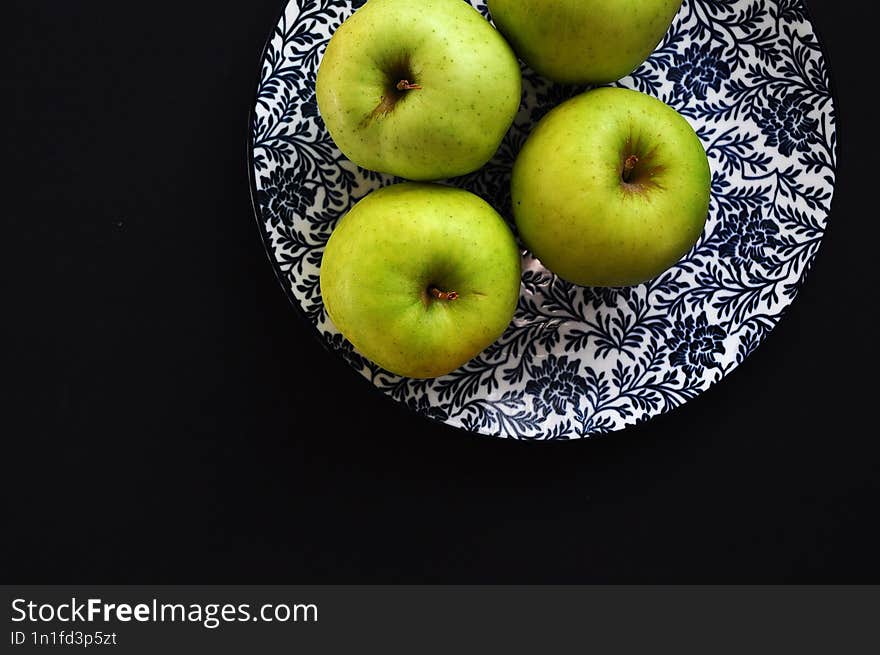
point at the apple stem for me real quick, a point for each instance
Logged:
(444, 295)
(404, 85)
(629, 166)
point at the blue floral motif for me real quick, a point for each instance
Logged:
(694, 344)
(309, 106)
(748, 237)
(786, 122)
(423, 406)
(751, 78)
(285, 195)
(608, 296)
(555, 385)
(697, 70)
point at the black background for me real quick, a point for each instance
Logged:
(167, 417)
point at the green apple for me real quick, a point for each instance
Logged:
(421, 278)
(584, 41)
(611, 188)
(423, 89)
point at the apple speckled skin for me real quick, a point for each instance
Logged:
(579, 215)
(469, 88)
(397, 245)
(583, 41)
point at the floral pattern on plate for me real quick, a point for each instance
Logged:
(751, 78)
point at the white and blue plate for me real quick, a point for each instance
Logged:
(750, 76)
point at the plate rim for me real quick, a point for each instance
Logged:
(404, 408)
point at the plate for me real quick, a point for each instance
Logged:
(751, 78)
